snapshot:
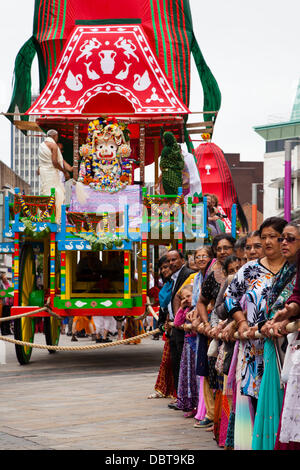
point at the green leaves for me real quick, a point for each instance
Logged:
(31, 232)
(100, 243)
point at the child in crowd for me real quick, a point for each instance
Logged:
(188, 393)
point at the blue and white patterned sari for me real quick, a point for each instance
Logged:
(254, 281)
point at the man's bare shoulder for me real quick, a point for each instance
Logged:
(51, 145)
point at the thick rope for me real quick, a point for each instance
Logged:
(76, 348)
(46, 308)
(148, 310)
(290, 328)
(27, 314)
(79, 348)
(149, 306)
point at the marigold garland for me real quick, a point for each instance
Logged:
(165, 212)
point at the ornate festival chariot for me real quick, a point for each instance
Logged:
(110, 100)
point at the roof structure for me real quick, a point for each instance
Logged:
(109, 67)
(295, 116)
(283, 130)
(167, 25)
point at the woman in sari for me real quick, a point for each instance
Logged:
(251, 285)
(133, 327)
(164, 386)
(204, 260)
(271, 394)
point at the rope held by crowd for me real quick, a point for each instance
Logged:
(290, 328)
(76, 348)
(79, 348)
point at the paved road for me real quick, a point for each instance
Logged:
(90, 400)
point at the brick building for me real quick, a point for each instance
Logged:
(244, 174)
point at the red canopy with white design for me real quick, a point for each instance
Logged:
(108, 69)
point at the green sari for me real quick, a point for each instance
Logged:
(270, 393)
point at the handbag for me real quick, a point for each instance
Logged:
(228, 357)
(220, 359)
(291, 356)
(213, 348)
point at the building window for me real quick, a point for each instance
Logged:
(277, 145)
(280, 198)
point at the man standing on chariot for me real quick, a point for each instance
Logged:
(53, 170)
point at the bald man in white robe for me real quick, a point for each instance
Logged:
(53, 170)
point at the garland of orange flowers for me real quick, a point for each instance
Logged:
(159, 211)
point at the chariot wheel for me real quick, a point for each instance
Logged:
(52, 331)
(24, 327)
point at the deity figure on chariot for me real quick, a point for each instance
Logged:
(105, 164)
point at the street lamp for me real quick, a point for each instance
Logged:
(288, 178)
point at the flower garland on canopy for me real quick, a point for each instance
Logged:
(157, 210)
(44, 215)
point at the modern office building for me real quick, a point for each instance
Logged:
(24, 155)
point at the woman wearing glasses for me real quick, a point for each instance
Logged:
(252, 284)
(202, 264)
(190, 397)
(271, 394)
(253, 246)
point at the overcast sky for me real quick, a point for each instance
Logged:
(252, 48)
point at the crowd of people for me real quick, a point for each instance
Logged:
(231, 360)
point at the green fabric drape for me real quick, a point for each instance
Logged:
(211, 91)
(21, 96)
